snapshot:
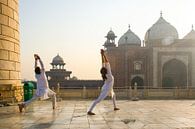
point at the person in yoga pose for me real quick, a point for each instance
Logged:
(108, 84)
(43, 91)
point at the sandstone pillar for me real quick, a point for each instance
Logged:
(10, 48)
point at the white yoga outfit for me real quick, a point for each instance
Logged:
(106, 88)
(43, 91)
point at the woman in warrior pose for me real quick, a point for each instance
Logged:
(43, 91)
(108, 84)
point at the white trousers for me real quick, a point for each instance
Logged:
(104, 93)
(52, 95)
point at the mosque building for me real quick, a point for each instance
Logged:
(58, 75)
(163, 60)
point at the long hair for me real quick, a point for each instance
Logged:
(103, 71)
(37, 70)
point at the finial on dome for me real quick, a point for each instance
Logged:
(129, 26)
(110, 28)
(192, 26)
(161, 13)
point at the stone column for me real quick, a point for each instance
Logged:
(10, 46)
(84, 92)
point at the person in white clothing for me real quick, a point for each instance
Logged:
(43, 91)
(108, 84)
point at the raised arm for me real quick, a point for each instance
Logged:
(104, 58)
(35, 56)
(40, 61)
(35, 63)
(105, 62)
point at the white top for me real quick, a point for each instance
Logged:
(42, 84)
(109, 73)
(109, 82)
(41, 80)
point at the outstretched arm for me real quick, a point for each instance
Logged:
(40, 61)
(105, 62)
(104, 58)
(35, 56)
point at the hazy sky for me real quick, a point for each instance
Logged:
(76, 28)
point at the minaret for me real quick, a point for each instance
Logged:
(161, 13)
(110, 39)
(10, 48)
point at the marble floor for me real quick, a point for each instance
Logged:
(71, 114)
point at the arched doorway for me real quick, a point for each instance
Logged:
(174, 74)
(139, 81)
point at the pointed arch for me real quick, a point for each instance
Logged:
(174, 74)
(139, 81)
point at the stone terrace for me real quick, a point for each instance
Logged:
(71, 114)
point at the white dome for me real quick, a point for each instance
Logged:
(110, 35)
(161, 30)
(129, 38)
(58, 60)
(190, 35)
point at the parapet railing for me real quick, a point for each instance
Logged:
(128, 92)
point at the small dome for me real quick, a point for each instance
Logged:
(58, 60)
(190, 35)
(161, 30)
(110, 35)
(129, 38)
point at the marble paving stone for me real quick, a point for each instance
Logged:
(71, 114)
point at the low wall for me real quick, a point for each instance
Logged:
(128, 93)
(78, 93)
